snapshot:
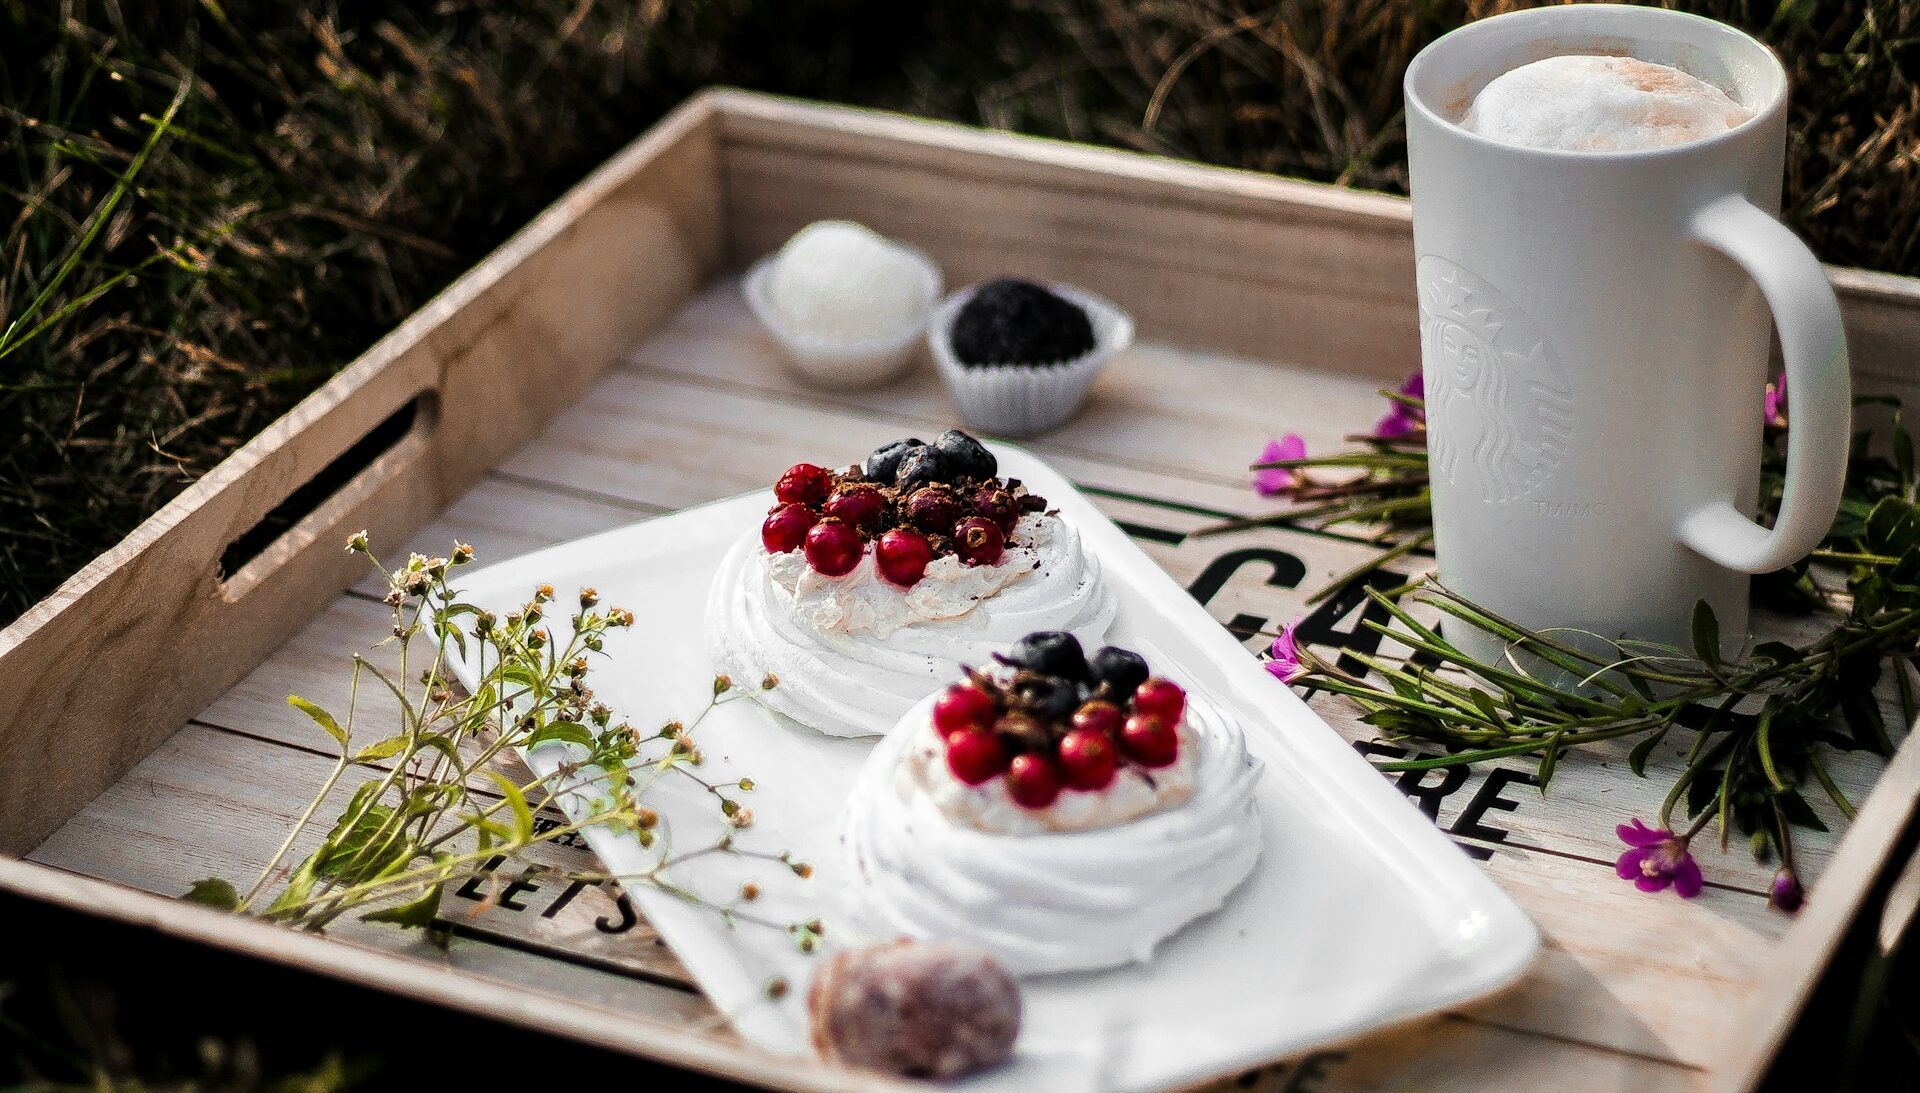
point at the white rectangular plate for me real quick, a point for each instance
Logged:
(1359, 915)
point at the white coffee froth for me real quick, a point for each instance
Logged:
(1600, 104)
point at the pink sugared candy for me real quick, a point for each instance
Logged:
(923, 1009)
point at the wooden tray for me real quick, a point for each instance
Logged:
(602, 367)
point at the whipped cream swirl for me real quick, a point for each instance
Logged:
(1053, 901)
(853, 653)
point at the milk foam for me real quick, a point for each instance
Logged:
(1600, 104)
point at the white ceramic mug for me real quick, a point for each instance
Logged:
(1594, 335)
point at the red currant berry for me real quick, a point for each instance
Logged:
(963, 707)
(1099, 716)
(974, 757)
(1162, 698)
(1032, 781)
(786, 528)
(998, 505)
(804, 483)
(1087, 759)
(858, 503)
(933, 509)
(1149, 741)
(833, 548)
(902, 556)
(978, 541)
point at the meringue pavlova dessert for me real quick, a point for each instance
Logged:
(866, 588)
(1060, 812)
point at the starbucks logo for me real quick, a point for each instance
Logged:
(1499, 410)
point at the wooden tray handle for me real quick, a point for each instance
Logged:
(392, 447)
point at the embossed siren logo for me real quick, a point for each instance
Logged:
(1499, 411)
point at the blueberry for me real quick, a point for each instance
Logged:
(969, 457)
(885, 460)
(1051, 653)
(1051, 699)
(1120, 670)
(923, 465)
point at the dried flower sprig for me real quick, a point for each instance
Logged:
(1389, 495)
(436, 805)
(1761, 718)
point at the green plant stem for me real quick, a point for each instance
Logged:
(1832, 790)
(273, 863)
(1521, 748)
(326, 788)
(1393, 553)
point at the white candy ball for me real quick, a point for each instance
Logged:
(839, 280)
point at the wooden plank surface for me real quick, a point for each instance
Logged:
(1633, 990)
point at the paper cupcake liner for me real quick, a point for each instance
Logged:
(830, 362)
(1024, 399)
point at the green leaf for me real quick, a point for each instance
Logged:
(1403, 685)
(1892, 528)
(570, 732)
(213, 892)
(385, 749)
(526, 677)
(1414, 722)
(432, 797)
(1548, 763)
(1862, 714)
(1798, 812)
(297, 891)
(417, 913)
(1851, 523)
(1701, 791)
(1706, 634)
(490, 830)
(360, 848)
(444, 744)
(522, 815)
(320, 717)
(1483, 702)
(1637, 758)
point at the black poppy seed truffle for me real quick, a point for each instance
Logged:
(1010, 321)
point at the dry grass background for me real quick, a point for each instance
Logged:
(334, 163)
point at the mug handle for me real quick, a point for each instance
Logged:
(1807, 315)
